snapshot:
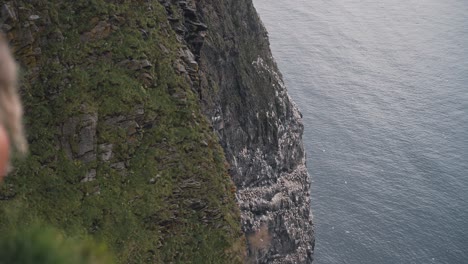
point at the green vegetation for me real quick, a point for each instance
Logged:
(47, 246)
(173, 200)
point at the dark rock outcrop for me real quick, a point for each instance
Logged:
(259, 126)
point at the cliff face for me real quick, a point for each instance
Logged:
(126, 102)
(260, 128)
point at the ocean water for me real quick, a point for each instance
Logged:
(383, 87)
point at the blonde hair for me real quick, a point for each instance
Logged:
(11, 110)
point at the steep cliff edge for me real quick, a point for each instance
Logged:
(260, 128)
(116, 94)
(261, 132)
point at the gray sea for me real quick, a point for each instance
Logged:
(383, 87)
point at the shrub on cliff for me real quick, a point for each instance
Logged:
(47, 246)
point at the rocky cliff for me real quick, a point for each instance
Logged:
(242, 92)
(126, 104)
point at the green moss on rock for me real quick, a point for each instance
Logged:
(152, 185)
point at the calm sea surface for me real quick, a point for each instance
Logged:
(383, 86)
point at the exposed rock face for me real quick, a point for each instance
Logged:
(259, 126)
